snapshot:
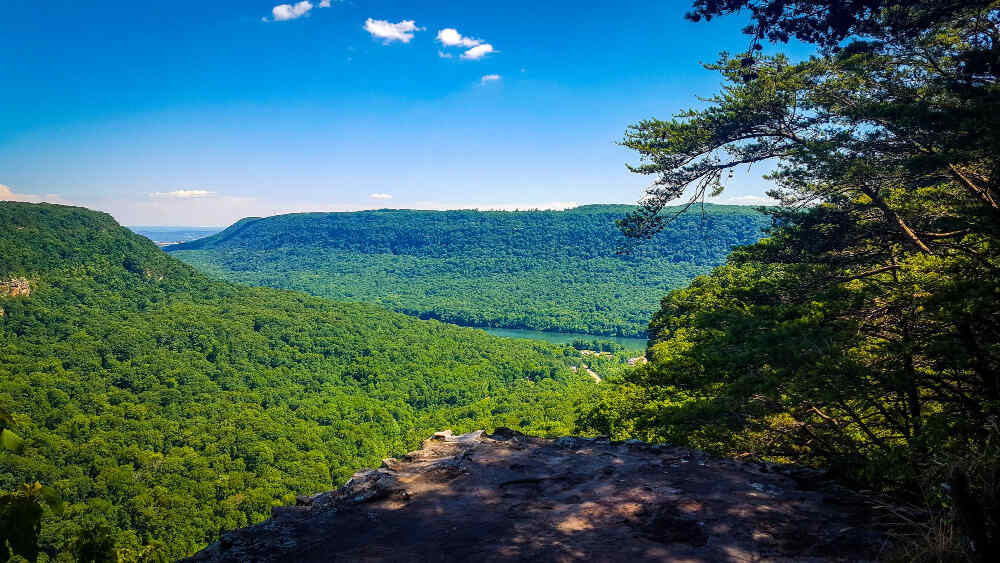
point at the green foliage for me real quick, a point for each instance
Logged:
(541, 270)
(597, 345)
(95, 544)
(864, 334)
(20, 525)
(9, 440)
(21, 518)
(827, 23)
(166, 407)
(21, 511)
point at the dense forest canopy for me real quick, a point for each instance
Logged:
(144, 406)
(863, 334)
(165, 407)
(543, 270)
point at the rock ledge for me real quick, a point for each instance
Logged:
(510, 497)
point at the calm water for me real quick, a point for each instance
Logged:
(562, 338)
(163, 236)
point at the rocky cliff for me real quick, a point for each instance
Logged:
(15, 287)
(509, 497)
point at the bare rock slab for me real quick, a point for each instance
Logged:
(510, 497)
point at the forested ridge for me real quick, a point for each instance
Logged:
(164, 407)
(568, 271)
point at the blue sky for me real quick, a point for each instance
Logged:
(199, 113)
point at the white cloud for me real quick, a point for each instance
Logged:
(744, 200)
(220, 210)
(284, 12)
(450, 37)
(444, 55)
(182, 194)
(7, 194)
(324, 3)
(478, 51)
(224, 210)
(389, 32)
(381, 196)
(489, 78)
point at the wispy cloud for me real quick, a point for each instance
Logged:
(182, 194)
(745, 200)
(324, 3)
(478, 52)
(284, 12)
(219, 210)
(489, 78)
(450, 37)
(7, 194)
(444, 55)
(380, 196)
(389, 32)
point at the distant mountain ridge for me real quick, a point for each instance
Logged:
(543, 270)
(438, 233)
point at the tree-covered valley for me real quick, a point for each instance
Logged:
(569, 271)
(165, 407)
(151, 399)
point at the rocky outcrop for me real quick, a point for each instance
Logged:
(509, 497)
(15, 287)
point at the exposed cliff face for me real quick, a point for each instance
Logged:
(509, 497)
(15, 287)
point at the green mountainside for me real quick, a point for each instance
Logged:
(542, 270)
(166, 407)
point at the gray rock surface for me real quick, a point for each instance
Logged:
(509, 497)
